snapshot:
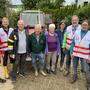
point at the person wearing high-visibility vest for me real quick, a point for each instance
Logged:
(2, 79)
(68, 37)
(5, 32)
(80, 49)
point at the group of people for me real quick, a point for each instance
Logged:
(45, 48)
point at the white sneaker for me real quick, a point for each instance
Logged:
(43, 73)
(36, 73)
(61, 69)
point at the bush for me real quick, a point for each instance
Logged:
(14, 19)
(83, 12)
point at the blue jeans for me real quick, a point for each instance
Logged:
(41, 59)
(84, 65)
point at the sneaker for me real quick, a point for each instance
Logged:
(2, 80)
(36, 73)
(43, 73)
(61, 69)
(48, 71)
(22, 75)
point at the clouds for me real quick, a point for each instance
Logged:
(69, 2)
(15, 2)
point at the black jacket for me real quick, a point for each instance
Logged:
(14, 39)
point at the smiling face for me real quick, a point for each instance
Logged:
(85, 25)
(38, 29)
(5, 22)
(62, 26)
(51, 28)
(75, 20)
(20, 25)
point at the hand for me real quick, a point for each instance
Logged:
(72, 57)
(88, 61)
(64, 49)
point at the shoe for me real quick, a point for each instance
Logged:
(66, 73)
(36, 73)
(82, 71)
(74, 79)
(43, 73)
(48, 71)
(22, 75)
(2, 80)
(13, 80)
(61, 69)
(54, 72)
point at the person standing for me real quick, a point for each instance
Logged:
(60, 32)
(5, 32)
(80, 49)
(68, 37)
(52, 49)
(37, 45)
(19, 40)
(2, 79)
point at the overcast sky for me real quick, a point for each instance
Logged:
(15, 2)
(19, 1)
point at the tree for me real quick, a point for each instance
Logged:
(42, 4)
(45, 4)
(59, 3)
(83, 12)
(30, 4)
(3, 7)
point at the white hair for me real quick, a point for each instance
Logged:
(37, 26)
(52, 26)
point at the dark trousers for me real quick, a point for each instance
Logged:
(62, 57)
(19, 65)
(68, 60)
(84, 65)
(5, 58)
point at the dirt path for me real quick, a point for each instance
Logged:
(51, 82)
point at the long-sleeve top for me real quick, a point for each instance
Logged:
(60, 34)
(58, 44)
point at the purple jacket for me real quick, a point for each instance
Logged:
(58, 47)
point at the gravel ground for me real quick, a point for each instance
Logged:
(50, 82)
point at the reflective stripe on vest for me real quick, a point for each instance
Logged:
(70, 35)
(81, 48)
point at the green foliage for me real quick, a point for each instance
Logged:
(30, 4)
(42, 4)
(3, 7)
(14, 19)
(58, 3)
(55, 8)
(61, 13)
(45, 4)
(83, 13)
